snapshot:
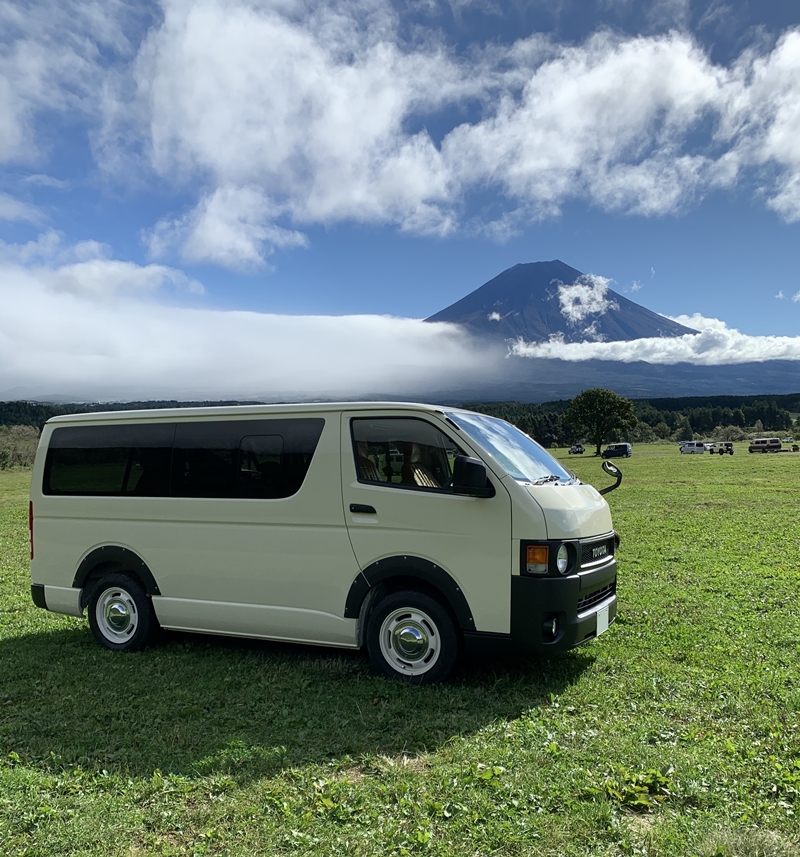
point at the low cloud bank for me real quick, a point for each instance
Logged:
(61, 334)
(716, 344)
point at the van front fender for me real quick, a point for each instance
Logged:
(405, 571)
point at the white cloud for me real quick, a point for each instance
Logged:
(494, 316)
(586, 296)
(42, 180)
(232, 227)
(276, 115)
(86, 269)
(715, 345)
(796, 298)
(780, 296)
(94, 328)
(14, 209)
(55, 56)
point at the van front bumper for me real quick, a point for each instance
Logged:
(574, 603)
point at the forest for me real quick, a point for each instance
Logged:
(714, 418)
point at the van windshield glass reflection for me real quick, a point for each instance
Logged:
(518, 454)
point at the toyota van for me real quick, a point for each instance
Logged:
(413, 530)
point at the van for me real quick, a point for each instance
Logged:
(293, 523)
(617, 450)
(765, 444)
(693, 447)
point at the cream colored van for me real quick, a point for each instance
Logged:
(410, 529)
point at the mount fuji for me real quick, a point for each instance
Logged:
(539, 300)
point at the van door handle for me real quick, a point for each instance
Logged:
(360, 507)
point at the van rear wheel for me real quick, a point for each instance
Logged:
(412, 637)
(120, 614)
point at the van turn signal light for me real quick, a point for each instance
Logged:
(536, 559)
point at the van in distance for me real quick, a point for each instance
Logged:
(413, 530)
(765, 444)
(617, 450)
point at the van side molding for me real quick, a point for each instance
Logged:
(415, 568)
(117, 559)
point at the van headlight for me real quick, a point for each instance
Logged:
(562, 560)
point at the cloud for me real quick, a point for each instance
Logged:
(42, 180)
(14, 209)
(277, 115)
(586, 296)
(780, 296)
(232, 227)
(85, 269)
(100, 327)
(56, 56)
(715, 345)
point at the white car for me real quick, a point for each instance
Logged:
(693, 447)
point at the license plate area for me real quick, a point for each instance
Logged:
(602, 620)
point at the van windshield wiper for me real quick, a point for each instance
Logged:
(545, 479)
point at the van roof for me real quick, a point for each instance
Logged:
(156, 414)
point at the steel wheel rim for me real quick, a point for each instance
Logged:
(409, 641)
(117, 616)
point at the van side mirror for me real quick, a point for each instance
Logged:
(469, 478)
(611, 470)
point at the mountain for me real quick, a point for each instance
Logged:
(537, 300)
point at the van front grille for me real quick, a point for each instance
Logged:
(596, 553)
(588, 601)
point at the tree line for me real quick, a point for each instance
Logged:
(661, 419)
(551, 424)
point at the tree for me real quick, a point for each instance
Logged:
(597, 412)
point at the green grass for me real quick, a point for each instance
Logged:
(676, 733)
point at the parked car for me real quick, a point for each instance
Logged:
(617, 450)
(787, 440)
(576, 449)
(693, 447)
(261, 521)
(765, 444)
(722, 447)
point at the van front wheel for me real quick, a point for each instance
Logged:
(411, 637)
(120, 614)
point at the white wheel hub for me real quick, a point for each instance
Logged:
(409, 641)
(117, 616)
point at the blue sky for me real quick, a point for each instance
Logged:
(208, 198)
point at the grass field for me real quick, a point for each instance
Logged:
(675, 733)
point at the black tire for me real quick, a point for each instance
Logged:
(428, 631)
(120, 614)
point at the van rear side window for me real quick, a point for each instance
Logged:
(109, 461)
(246, 459)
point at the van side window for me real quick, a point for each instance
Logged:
(260, 466)
(406, 453)
(247, 459)
(204, 460)
(109, 461)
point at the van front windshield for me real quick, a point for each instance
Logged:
(520, 456)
